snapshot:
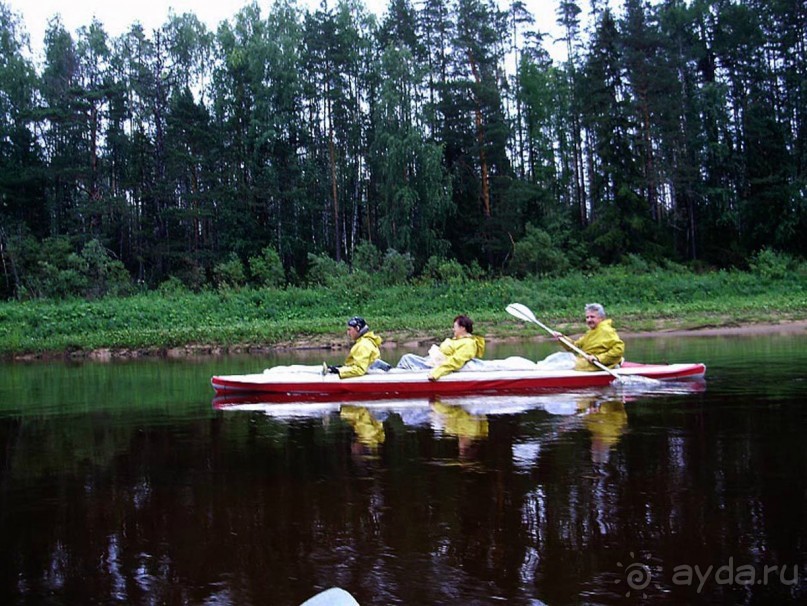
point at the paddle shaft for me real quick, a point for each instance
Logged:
(595, 361)
(521, 312)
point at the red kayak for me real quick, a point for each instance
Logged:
(494, 378)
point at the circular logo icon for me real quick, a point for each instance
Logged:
(637, 576)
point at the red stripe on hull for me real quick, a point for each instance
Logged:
(447, 386)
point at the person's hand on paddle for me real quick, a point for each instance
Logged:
(522, 312)
(334, 370)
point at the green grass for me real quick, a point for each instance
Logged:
(637, 301)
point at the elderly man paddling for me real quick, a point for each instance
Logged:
(600, 344)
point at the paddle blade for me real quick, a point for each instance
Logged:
(522, 312)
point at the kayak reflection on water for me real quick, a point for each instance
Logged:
(601, 412)
(606, 421)
(455, 420)
(452, 420)
(369, 430)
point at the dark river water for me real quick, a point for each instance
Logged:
(126, 483)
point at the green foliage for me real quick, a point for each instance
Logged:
(322, 270)
(326, 130)
(475, 271)
(64, 277)
(447, 271)
(105, 275)
(177, 317)
(366, 257)
(230, 273)
(173, 287)
(191, 275)
(773, 265)
(536, 254)
(410, 179)
(635, 264)
(55, 270)
(396, 268)
(267, 268)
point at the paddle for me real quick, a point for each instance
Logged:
(522, 312)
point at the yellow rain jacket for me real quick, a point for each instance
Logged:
(457, 353)
(369, 430)
(461, 423)
(608, 423)
(363, 353)
(603, 342)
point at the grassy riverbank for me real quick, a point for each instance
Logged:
(236, 320)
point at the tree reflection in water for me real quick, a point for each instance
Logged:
(475, 500)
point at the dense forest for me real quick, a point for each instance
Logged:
(441, 136)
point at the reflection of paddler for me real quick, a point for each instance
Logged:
(369, 431)
(607, 423)
(459, 422)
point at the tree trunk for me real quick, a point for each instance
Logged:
(649, 162)
(480, 139)
(334, 190)
(3, 255)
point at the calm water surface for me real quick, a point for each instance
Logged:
(127, 483)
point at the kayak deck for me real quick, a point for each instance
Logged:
(309, 380)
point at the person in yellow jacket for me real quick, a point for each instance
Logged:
(606, 421)
(364, 352)
(369, 430)
(601, 343)
(457, 421)
(452, 354)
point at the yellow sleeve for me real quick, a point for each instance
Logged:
(456, 357)
(615, 350)
(363, 353)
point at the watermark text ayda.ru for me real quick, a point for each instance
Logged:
(639, 576)
(731, 574)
